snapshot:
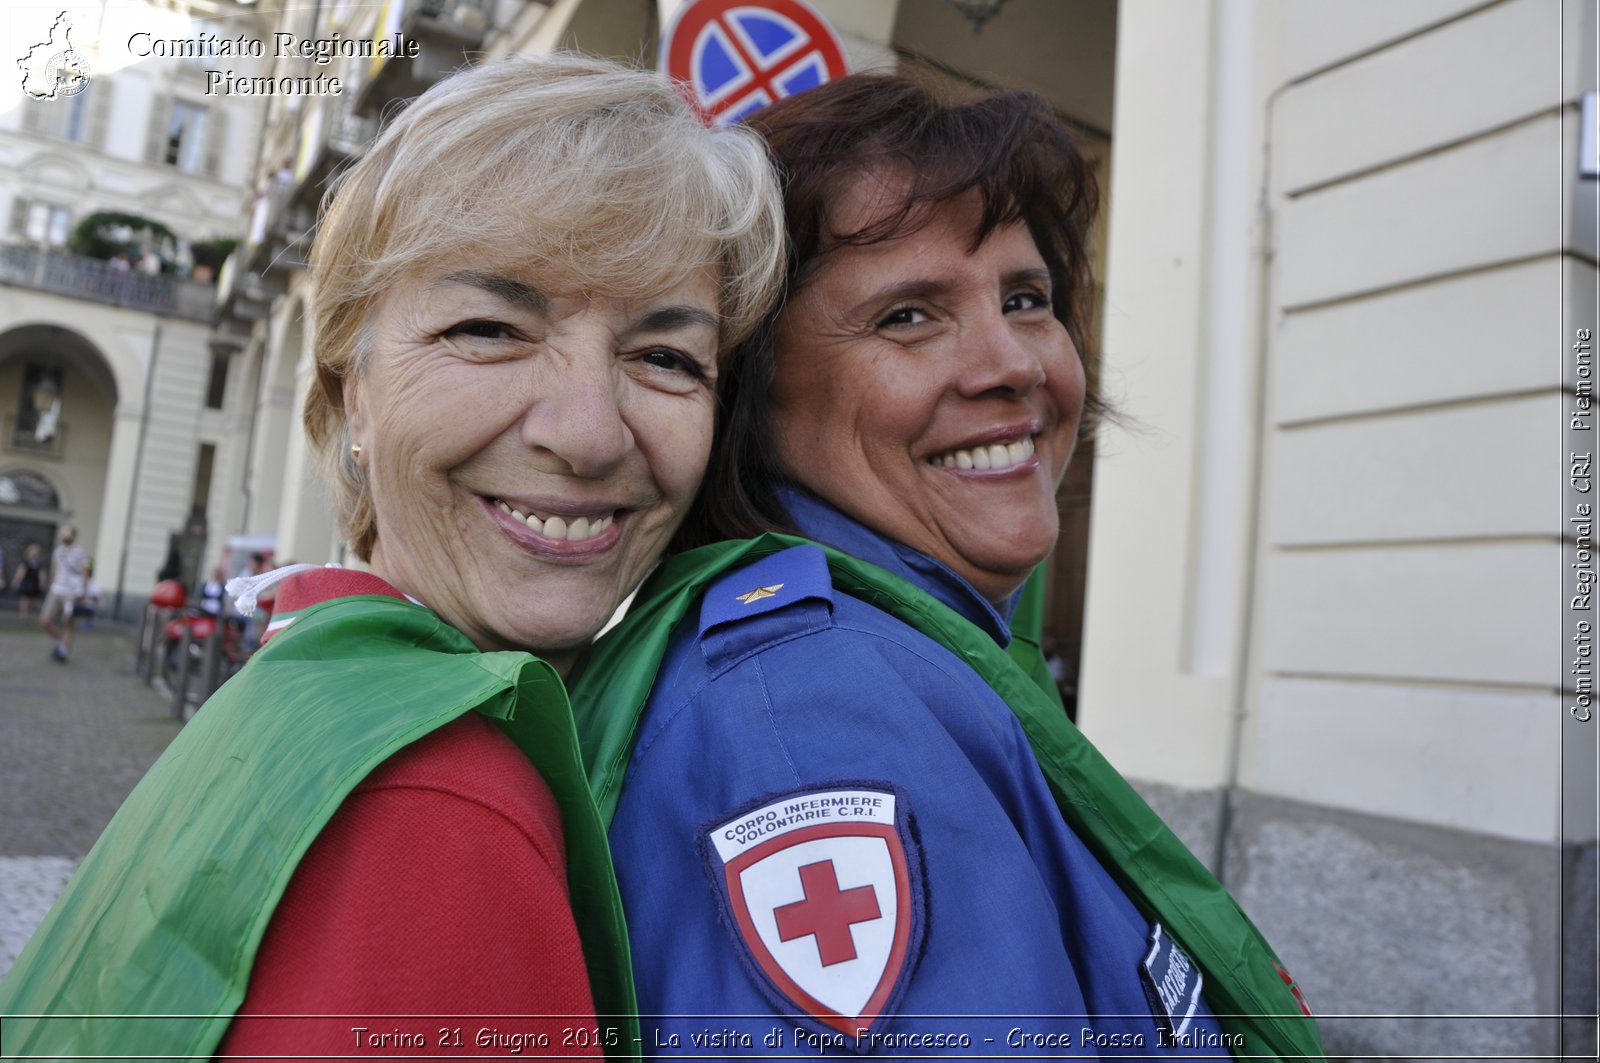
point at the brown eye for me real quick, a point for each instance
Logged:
(480, 330)
(677, 361)
(1026, 301)
(903, 316)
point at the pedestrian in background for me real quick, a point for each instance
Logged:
(172, 567)
(213, 592)
(255, 624)
(68, 566)
(28, 579)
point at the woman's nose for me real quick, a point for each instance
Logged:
(576, 421)
(999, 358)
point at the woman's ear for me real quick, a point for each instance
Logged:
(355, 424)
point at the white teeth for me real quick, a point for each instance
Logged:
(995, 457)
(571, 529)
(527, 518)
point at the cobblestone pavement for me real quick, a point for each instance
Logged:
(74, 739)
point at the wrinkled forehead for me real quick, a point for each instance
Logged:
(877, 208)
(567, 269)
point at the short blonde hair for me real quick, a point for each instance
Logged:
(590, 174)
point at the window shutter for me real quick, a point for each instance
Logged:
(156, 135)
(99, 113)
(19, 216)
(32, 116)
(216, 134)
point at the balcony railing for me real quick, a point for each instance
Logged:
(242, 296)
(467, 17)
(276, 241)
(446, 32)
(50, 270)
(331, 132)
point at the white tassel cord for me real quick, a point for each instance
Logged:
(245, 589)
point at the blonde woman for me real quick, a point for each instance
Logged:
(523, 293)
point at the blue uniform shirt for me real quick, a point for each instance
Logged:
(834, 834)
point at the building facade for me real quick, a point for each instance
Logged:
(115, 407)
(1326, 622)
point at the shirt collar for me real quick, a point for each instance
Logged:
(818, 520)
(302, 590)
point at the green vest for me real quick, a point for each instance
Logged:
(1242, 975)
(149, 949)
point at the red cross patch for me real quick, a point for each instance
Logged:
(819, 888)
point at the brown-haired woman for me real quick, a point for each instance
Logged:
(891, 840)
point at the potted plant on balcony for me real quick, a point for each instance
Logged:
(105, 234)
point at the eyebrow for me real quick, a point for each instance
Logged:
(512, 291)
(923, 287)
(1036, 275)
(678, 315)
(920, 288)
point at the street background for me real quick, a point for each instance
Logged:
(74, 739)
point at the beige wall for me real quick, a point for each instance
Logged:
(1139, 681)
(1407, 539)
(305, 527)
(1400, 435)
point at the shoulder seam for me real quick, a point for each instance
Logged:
(539, 846)
(670, 716)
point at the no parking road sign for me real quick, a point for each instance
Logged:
(737, 56)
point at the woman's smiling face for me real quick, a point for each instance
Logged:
(926, 389)
(531, 453)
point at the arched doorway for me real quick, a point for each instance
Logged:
(58, 403)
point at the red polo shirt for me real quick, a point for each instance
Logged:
(431, 912)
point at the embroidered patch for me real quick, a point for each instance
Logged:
(1171, 982)
(819, 888)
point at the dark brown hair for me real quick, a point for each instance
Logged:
(1009, 147)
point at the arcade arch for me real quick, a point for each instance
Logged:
(58, 403)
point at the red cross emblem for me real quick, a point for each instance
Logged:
(827, 913)
(819, 888)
